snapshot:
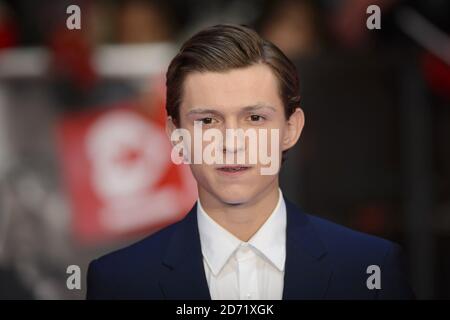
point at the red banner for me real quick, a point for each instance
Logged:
(119, 175)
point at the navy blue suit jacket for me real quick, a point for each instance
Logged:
(323, 261)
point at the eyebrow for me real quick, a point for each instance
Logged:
(259, 107)
(202, 111)
(255, 107)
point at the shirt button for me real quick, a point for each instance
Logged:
(249, 295)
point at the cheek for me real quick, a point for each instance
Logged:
(198, 171)
(203, 174)
(273, 140)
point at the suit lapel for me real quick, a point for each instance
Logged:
(307, 270)
(184, 274)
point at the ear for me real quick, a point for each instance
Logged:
(293, 129)
(170, 127)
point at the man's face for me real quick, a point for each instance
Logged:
(245, 98)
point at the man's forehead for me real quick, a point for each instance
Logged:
(254, 85)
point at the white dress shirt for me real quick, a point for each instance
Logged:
(239, 270)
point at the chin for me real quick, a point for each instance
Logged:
(234, 196)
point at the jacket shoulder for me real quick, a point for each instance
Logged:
(353, 255)
(114, 274)
(339, 239)
(152, 246)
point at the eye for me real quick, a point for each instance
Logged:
(206, 120)
(256, 118)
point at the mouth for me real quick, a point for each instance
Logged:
(233, 170)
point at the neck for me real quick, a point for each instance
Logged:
(241, 220)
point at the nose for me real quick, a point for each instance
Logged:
(234, 138)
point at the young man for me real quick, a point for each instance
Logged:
(242, 239)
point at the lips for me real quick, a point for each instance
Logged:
(233, 170)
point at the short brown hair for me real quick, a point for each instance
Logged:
(224, 47)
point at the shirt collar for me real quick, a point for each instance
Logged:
(218, 244)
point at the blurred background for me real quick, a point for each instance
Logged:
(84, 162)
